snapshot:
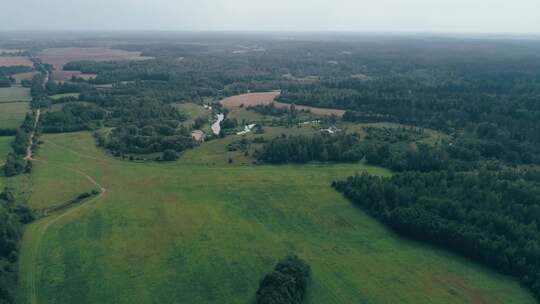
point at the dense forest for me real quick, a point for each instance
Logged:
(302, 149)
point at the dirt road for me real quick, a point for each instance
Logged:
(31, 137)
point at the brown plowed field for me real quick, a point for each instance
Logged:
(253, 99)
(58, 57)
(14, 61)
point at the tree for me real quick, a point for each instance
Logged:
(286, 284)
(169, 155)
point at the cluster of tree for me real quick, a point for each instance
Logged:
(286, 284)
(143, 121)
(200, 122)
(144, 126)
(15, 162)
(6, 74)
(8, 132)
(15, 53)
(399, 149)
(272, 110)
(489, 216)
(12, 217)
(320, 147)
(40, 96)
(73, 117)
(5, 82)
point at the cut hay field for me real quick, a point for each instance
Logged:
(14, 94)
(58, 57)
(204, 231)
(265, 98)
(7, 61)
(12, 114)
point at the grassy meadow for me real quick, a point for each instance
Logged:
(14, 94)
(201, 230)
(5, 147)
(12, 114)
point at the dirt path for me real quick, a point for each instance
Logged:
(32, 274)
(76, 152)
(31, 137)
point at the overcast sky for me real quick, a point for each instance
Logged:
(492, 16)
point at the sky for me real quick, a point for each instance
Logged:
(462, 16)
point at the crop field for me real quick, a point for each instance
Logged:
(253, 99)
(14, 94)
(201, 230)
(12, 114)
(58, 57)
(24, 76)
(15, 61)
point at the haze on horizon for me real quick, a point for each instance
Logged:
(464, 16)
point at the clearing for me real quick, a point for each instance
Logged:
(265, 98)
(201, 230)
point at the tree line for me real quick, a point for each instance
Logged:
(12, 218)
(491, 216)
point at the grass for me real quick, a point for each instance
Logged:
(193, 111)
(58, 96)
(14, 94)
(204, 231)
(5, 147)
(12, 114)
(242, 114)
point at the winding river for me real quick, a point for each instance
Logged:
(216, 127)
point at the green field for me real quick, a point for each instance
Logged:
(14, 94)
(58, 96)
(12, 114)
(5, 148)
(192, 111)
(204, 231)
